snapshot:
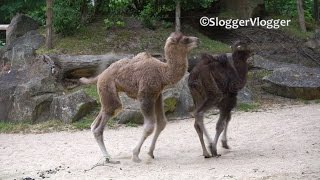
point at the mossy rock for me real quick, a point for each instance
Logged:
(170, 104)
(129, 116)
(294, 82)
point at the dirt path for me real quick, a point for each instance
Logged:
(282, 143)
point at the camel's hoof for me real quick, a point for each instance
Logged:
(109, 161)
(225, 145)
(207, 156)
(151, 155)
(136, 159)
(213, 151)
(217, 155)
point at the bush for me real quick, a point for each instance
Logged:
(39, 15)
(289, 8)
(66, 17)
(148, 16)
(113, 22)
(9, 8)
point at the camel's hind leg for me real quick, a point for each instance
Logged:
(110, 102)
(147, 105)
(219, 128)
(161, 123)
(198, 123)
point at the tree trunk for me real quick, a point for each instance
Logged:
(49, 24)
(74, 67)
(84, 11)
(178, 16)
(316, 10)
(301, 15)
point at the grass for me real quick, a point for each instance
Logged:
(91, 90)
(248, 107)
(131, 124)
(294, 28)
(29, 127)
(96, 39)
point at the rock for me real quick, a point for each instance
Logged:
(245, 96)
(294, 82)
(8, 84)
(19, 25)
(21, 51)
(30, 92)
(72, 107)
(179, 97)
(130, 111)
(312, 43)
(132, 116)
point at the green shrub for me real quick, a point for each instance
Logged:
(66, 17)
(148, 16)
(109, 23)
(39, 15)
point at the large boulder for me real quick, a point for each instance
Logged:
(294, 82)
(70, 108)
(245, 96)
(20, 24)
(8, 84)
(178, 100)
(31, 92)
(21, 51)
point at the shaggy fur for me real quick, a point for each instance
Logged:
(215, 81)
(143, 77)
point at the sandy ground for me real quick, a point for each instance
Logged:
(281, 143)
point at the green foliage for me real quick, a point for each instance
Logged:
(289, 8)
(148, 16)
(10, 8)
(109, 23)
(246, 107)
(118, 7)
(29, 127)
(66, 17)
(39, 15)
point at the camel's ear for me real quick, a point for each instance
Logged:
(176, 37)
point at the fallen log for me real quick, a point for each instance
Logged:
(74, 67)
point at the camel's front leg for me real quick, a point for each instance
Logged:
(147, 106)
(161, 124)
(200, 128)
(224, 139)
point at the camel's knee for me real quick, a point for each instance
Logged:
(220, 126)
(149, 128)
(162, 124)
(196, 125)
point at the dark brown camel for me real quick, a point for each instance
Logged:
(215, 81)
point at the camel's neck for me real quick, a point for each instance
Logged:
(241, 64)
(177, 66)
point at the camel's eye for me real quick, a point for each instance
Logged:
(185, 41)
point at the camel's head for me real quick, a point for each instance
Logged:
(181, 43)
(241, 47)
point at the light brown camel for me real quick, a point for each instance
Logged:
(142, 77)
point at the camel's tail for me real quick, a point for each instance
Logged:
(84, 80)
